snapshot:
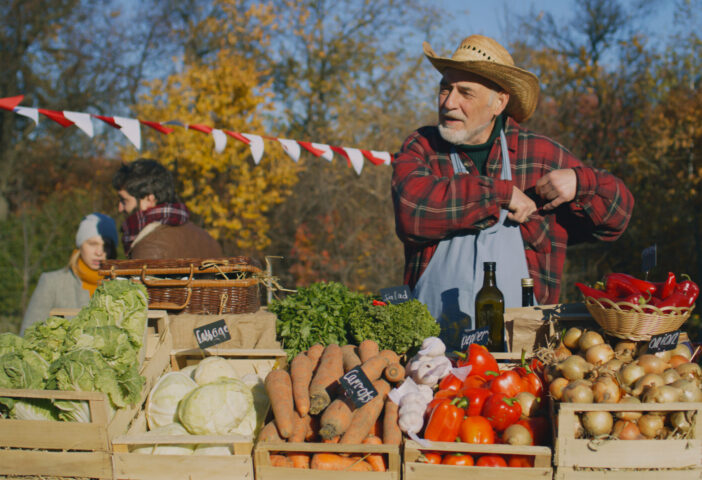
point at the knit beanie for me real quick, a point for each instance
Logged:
(96, 224)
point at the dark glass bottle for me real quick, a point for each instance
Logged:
(527, 292)
(490, 309)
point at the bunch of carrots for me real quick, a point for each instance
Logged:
(309, 406)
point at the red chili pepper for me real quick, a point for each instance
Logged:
(450, 382)
(476, 399)
(508, 383)
(595, 293)
(663, 289)
(379, 303)
(445, 421)
(501, 411)
(642, 286)
(619, 284)
(678, 299)
(479, 358)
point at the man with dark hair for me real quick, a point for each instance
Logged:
(158, 224)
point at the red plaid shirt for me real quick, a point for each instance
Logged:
(433, 203)
(166, 213)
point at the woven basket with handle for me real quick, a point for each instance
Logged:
(211, 286)
(635, 322)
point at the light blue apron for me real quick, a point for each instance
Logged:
(454, 275)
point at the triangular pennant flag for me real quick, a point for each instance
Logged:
(327, 153)
(256, 146)
(291, 147)
(108, 120)
(157, 126)
(356, 158)
(376, 158)
(341, 152)
(9, 103)
(200, 128)
(131, 129)
(82, 121)
(177, 123)
(220, 140)
(56, 117)
(314, 151)
(28, 112)
(238, 136)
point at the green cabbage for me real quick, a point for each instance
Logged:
(212, 369)
(162, 403)
(34, 409)
(112, 342)
(47, 338)
(9, 343)
(216, 408)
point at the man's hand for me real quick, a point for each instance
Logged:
(557, 187)
(520, 206)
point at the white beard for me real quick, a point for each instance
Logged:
(463, 137)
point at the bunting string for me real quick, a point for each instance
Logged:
(131, 128)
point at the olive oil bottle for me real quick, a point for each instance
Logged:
(490, 309)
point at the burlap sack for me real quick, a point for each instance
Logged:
(248, 330)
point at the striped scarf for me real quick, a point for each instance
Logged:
(166, 213)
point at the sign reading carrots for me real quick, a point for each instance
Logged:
(359, 389)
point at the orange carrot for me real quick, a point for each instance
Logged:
(301, 375)
(299, 459)
(390, 355)
(330, 369)
(280, 460)
(312, 428)
(392, 435)
(376, 460)
(394, 373)
(336, 418)
(349, 357)
(299, 428)
(332, 461)
(279, 390)
(332, 440)
(368, 349)
(363, 418)
(269, 433)
(315, 353)
(374, 366)
(377, 428)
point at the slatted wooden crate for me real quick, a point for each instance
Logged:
(72, 449)
(414, 469)
(135, 466)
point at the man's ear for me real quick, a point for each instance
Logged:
(501, 102)
(147, 202)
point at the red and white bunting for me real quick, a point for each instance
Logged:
(131, 128)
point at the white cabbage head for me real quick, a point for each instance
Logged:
(212, 369)
(162, 403)
(216, 408)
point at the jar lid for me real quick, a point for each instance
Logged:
(527, 282)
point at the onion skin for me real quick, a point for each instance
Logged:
(613, 365)
(649, 380)
(679, 421)
(571, 337)
(551, 372)
(606, 390)
(517, 435)
(626, 430)
(529, 402)
(651, 425)
(597, 423)
(652, 363)
(556, 388)
(689, 392)
(589, 339)
(689, 371)
(599, 354)
(682, 350)
(625, 350)
(662, 394)
(578, 391)
(561, 353)
(574, 367)
(670, 376)
(633, 415)
(676, 360)
(630, 373)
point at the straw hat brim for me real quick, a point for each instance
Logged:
(522, 85)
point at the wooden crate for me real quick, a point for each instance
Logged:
(266, 471)
(135, 466)
(72, 449)
(412, 469)
(569, 473)
(578, 453)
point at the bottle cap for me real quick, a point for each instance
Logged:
(527, 282)
(489, 266)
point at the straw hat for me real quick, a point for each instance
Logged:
(487, 58)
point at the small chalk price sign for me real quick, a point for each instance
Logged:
(212, 334)
(479, 336)
(399, 294)
(663, 342)
(359, 389)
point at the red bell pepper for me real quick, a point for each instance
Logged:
(439, 397)
(619, 284)
(479, 358)
(430, 457)
(501, 411)
(445, 421)
(508, 383)
(520, 461)
(491, 461)
(664, 289)
(461, 459)
(476, 430)
(476, 399)
(474, 381)
(689, 288)
(595, 293)
(532, 381)
(678, 299)
(451, 382)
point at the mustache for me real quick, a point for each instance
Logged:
(448, 115)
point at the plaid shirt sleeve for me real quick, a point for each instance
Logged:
(431, 201)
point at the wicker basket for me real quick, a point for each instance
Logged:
(194, 285)
(637, 322)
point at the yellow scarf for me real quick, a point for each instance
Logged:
(88, 276)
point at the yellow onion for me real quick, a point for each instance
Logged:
(597, 423)
(599, 354)
(571, 337)
(626, 430)
(574, 367)
(652, 363)
(651, 425)
(606, 390)
(579, 391)
(589, 339)
(555, 388)
(633, 415)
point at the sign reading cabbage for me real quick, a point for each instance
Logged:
(95, 351)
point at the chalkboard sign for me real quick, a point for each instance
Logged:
(357, 387)
(399, 294)
(663, 342)
(479, 336)
(212, 334)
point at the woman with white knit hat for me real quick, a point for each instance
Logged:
(73, 285)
